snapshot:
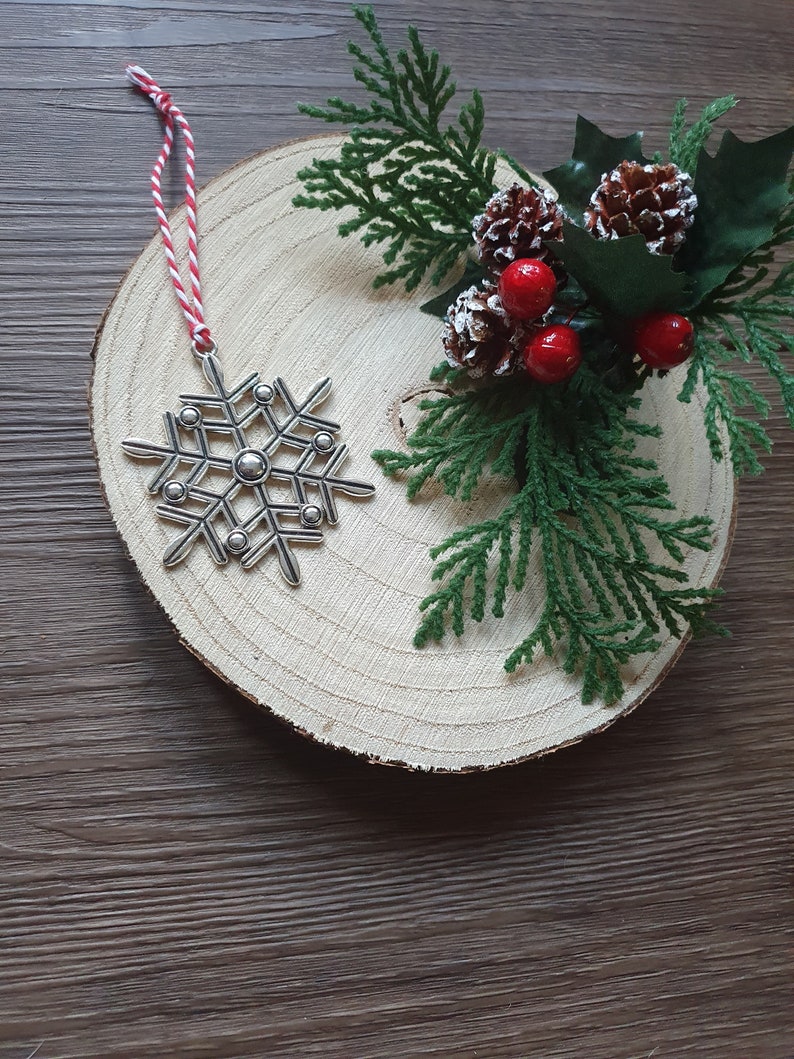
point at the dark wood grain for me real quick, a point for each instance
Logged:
(183, 877)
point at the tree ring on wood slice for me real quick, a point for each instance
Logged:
(286, 296)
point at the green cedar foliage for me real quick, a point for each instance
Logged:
(589, 506)
(741, 193)
(577, 496)
(687, 143)
(721, 276)
(748, 317)
(413, 182)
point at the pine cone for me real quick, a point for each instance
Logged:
(514, 225)
(655, 200)
(479, 335)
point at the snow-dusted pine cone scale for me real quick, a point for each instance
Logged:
(655, 200)
(515, 224)
(480, 337)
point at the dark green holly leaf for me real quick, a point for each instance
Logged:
(473, 276)
(741, 192)
(570, 297)
(620, 276)
(594, 153)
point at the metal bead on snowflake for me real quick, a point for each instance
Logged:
(249, 470)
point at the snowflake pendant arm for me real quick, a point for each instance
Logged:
(217, 478)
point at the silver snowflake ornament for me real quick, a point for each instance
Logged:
(248, 470)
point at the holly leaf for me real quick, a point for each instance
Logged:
(594, 153)
(621, 277)
(741, 192)
(473, 275)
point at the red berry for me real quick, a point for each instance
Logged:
(553, 354)
(527, 288)
(663, 340)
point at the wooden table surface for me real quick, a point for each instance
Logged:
(184, 877)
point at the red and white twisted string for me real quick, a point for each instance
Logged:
(172, 115)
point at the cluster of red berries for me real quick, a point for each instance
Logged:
(553, 354)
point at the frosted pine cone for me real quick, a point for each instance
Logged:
(479, 335)
(515, 224)
(655, 200)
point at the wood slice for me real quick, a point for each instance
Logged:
(286, 296)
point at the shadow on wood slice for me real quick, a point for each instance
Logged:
(285, 296)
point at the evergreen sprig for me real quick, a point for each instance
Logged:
(589, 505)
(413, 182)
(749, 317)
(687, 143)
(580, 503)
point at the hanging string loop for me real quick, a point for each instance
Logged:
(192, 306)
